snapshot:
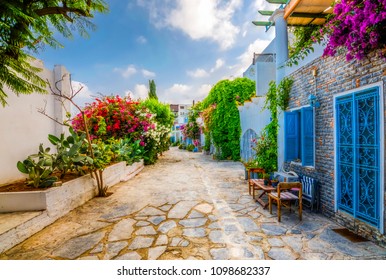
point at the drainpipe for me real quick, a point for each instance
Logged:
(281, 45)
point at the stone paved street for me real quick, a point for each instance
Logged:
(188, 206)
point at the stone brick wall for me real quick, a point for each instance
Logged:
(334, 75)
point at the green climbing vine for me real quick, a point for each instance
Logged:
(221, 116)
(266, 144)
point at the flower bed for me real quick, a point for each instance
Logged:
(69, 195)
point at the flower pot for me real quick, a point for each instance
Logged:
(266, 182)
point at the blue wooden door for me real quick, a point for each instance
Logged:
(358, 151)
(247, 152)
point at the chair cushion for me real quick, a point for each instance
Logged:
(307, 183)
(285, 195)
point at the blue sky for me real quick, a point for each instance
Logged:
(186, 46)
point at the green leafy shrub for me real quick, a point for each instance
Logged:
(221, 116)
(266, 145)
(190, 147)
(157, 140)
(182, 146)
(125, 150)
(208, 142)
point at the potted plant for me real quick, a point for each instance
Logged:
(274, 182)
(266, 179)
(252, 163)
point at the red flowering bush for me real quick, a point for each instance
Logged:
(358, 25)
(116, 117)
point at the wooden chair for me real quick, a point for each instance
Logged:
(253, 170)
(283, 197)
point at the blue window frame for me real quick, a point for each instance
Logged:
(299, 143)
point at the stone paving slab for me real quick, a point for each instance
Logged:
(188, 206)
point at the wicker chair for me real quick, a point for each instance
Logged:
(283, 197)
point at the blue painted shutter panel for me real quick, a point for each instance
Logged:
(307, 124)
(291, 136)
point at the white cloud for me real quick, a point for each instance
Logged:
(198, 73)
(178, 89)
(178, 93)
(199, 19)
(202, 73)
(85, 95)
(141, 40)
(203, 91)
(126, 73)
(83, 89)
(246, 58)
(261, 5)
(148, 74)
(140, 92)
(219, 63)
(185, 94)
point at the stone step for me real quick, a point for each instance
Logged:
(18, 226)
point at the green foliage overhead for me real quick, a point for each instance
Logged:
(27, 26)
(163, 114)
(304, 38)
(152, 90)
(224, 120)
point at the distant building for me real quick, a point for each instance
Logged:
(181, 112)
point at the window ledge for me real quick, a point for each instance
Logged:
(297, 163)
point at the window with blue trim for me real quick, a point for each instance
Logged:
(299, 136)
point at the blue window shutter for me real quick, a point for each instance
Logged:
(307, 132)
(291, 135)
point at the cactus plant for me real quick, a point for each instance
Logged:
(39, 168)
(69, 156)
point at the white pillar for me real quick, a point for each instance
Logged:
(61, 106)
(281, 45)
(281, 42)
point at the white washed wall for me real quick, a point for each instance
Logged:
(252, 116)
(22, 128)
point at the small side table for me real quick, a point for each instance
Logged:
(258, 184)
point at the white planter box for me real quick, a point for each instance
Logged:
(51, 204)
(68, 196)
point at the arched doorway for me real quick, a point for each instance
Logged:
(246, 148)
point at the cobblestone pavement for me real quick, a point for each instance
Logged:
(188, 206)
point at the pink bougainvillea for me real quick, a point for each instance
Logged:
(116, 117)
(359, 26)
